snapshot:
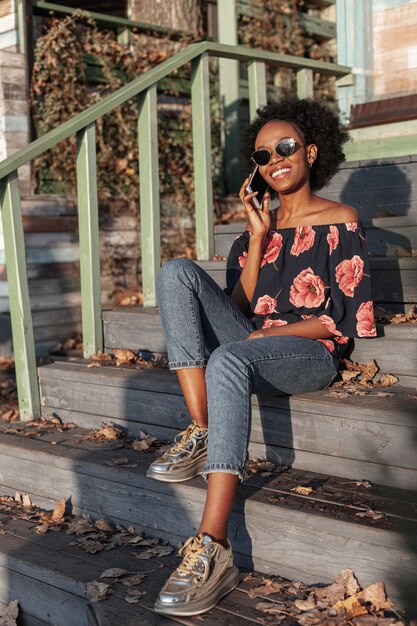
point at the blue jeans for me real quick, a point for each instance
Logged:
(204, 328)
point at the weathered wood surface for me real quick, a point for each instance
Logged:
(138, 328)
(125, 494)
(364, 436)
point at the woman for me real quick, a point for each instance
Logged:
(298, 289)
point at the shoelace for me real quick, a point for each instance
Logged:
(192, 549)
(182, 439)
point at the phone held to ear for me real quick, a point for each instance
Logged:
(259, 184)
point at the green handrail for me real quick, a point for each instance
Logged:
(83, 126)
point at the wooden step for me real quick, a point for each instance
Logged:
(358, 437)
(272, 528)
(386, 236)
(377, 187)
(139, 329)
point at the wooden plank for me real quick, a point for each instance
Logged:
(396, 410)
(201, 121)
(257, 87)
(20, 311)
(89, 240)
(361, 440)
(149, 192)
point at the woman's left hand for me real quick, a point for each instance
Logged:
(257, 334)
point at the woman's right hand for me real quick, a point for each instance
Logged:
(259, 219)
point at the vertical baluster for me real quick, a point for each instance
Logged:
(88, 226)
(305, 83)
(149, 193)
(200, 95)
(20, 312)
(257, 86)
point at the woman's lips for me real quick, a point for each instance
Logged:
(280, 173)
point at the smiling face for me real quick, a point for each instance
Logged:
(285, 174)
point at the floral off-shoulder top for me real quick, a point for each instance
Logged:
(311, 270)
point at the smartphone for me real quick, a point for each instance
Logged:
(259, 184)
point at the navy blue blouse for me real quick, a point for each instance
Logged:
(311, 270)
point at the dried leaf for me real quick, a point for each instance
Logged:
(101, 357)
(349, 374)
(90, 545)
(375, 515)
(269, 586)
(10, 614)
(305, 605)
(59, 511)
(302, 490)
(387, 380)
(374, 595)
(81, 525)
(124, 357)
(345, 585)
(157, 551)
(26, 501)
(103, 525)
(98, 591)
(114, 572)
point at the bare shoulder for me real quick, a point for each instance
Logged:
(338, 212)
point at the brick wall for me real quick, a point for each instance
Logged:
(395, 48)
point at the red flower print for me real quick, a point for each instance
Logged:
(349, 274)
(272, 249)
(352, 226)
(307, 290)
(333, 238)
(329, 323)
(242, 259)
(366, 321)
(328, 343)
(265, 305)
(268, 323)
(303, 239)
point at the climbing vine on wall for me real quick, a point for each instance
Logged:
(76, 65)
(274, 25)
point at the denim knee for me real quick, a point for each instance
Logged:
(223, 363)
(171, 270)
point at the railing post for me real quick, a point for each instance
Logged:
(203, 188)
(20, 312)
(229, 93)
(88, 226)
(149, 193)
(257, 86)
(305, 83)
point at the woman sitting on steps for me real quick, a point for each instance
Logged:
(297, 290)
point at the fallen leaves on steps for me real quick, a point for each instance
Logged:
(122, 356)
(359, 379)
(338, 604)
(388, 317)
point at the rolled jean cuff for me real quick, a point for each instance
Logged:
(224, 468)
(179, 365)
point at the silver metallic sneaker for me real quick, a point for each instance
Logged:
(185, 459)
(206, 574)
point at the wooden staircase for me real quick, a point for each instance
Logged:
(334, 445)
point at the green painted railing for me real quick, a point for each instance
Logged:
(83, 126)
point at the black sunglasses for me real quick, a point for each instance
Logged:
(285, 148)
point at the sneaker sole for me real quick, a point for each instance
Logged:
(196, 608)
(178, 477)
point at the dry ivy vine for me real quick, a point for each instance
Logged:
(76, 65)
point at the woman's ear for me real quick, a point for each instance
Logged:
(311, 154)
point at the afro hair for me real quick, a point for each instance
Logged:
(318, 124)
